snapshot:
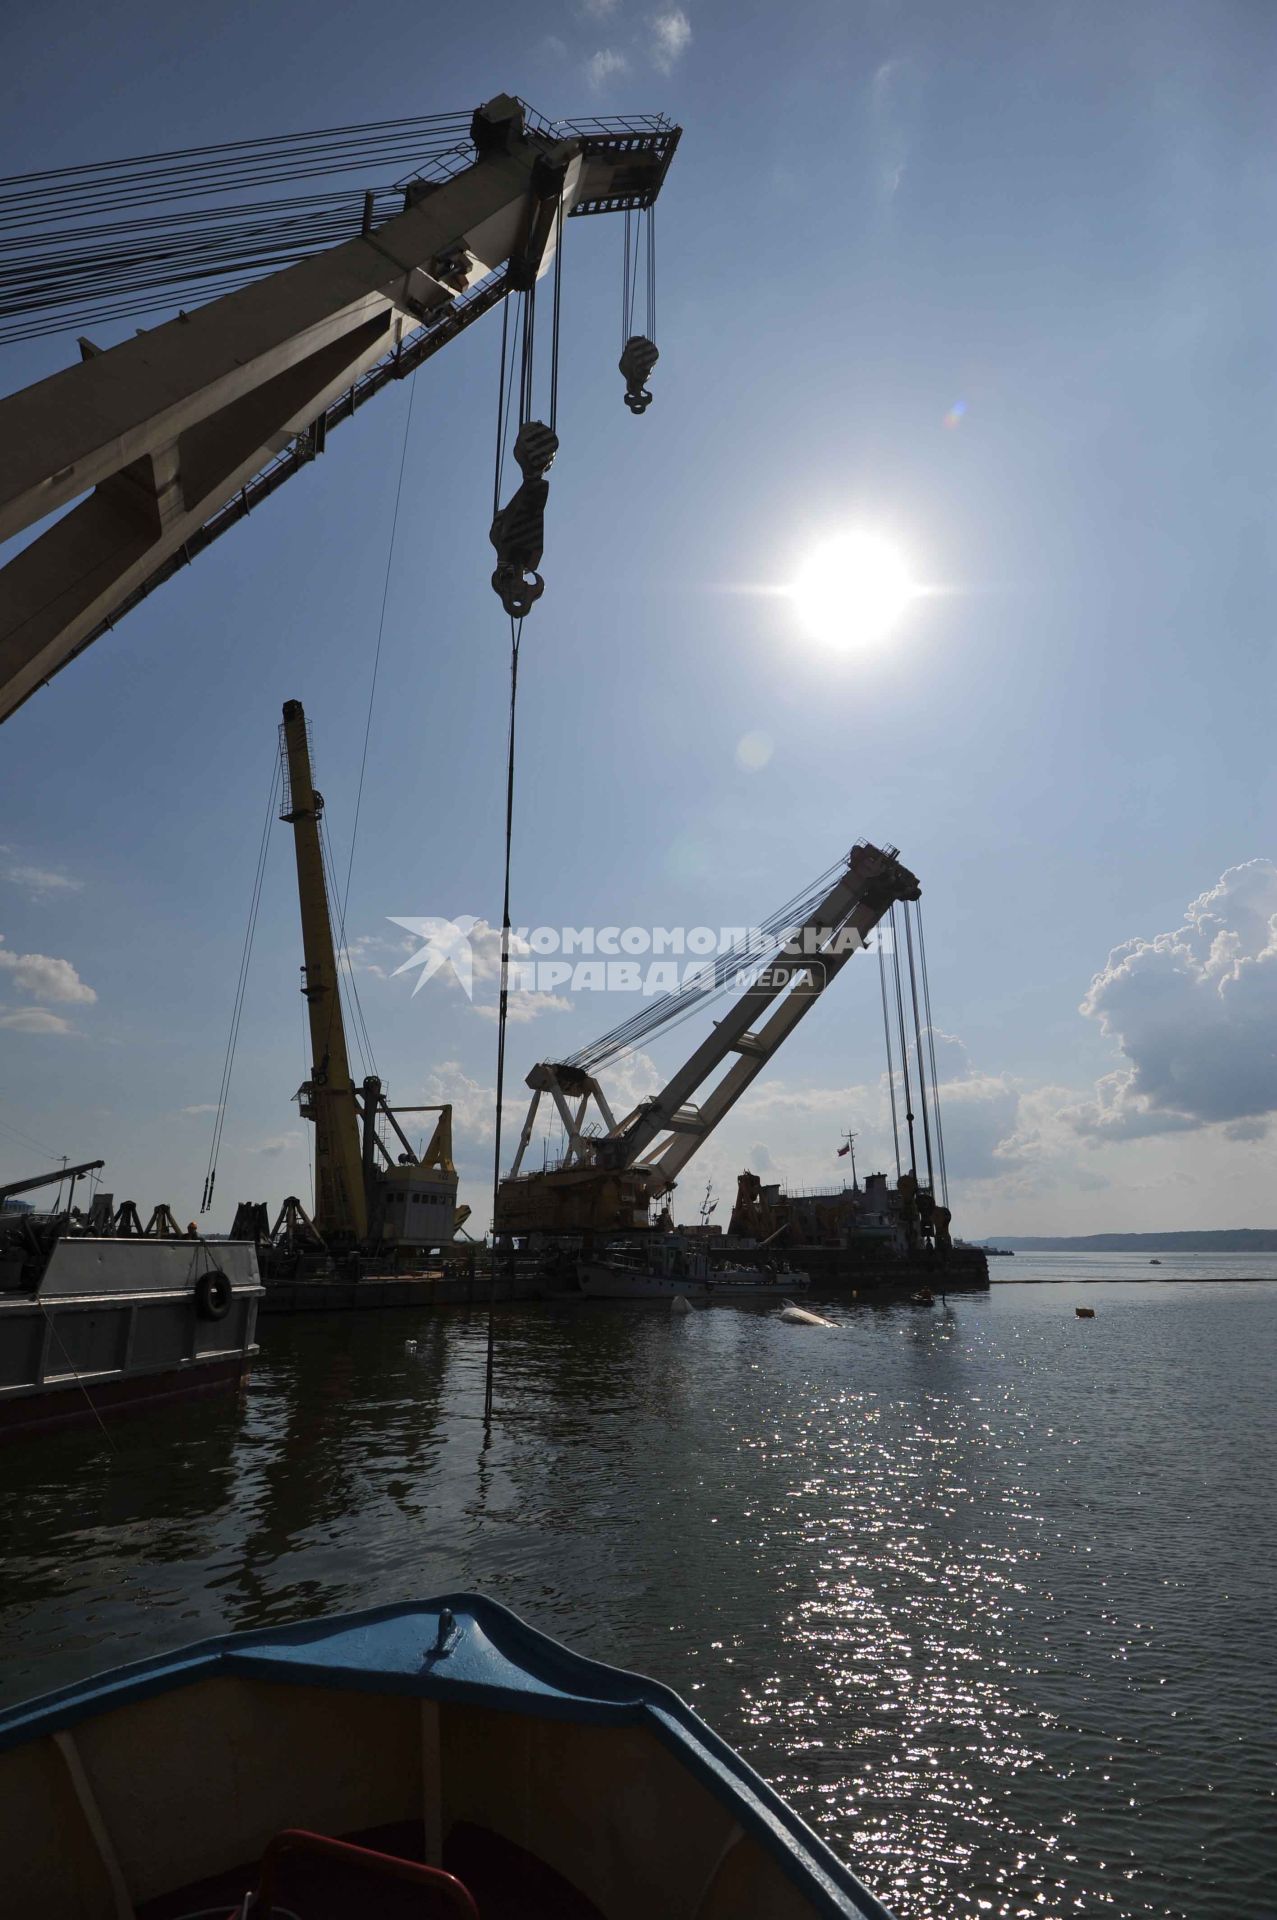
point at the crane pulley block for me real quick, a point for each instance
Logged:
(518, 530)
(638, 356)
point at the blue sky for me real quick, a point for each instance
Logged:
(1060, 216)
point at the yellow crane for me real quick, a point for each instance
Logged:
(369, 1196)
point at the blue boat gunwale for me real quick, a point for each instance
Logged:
(561, 1684)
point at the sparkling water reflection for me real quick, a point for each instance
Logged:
(982, 1588)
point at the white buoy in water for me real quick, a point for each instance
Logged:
(410, 1346)
(680, 1304)
(799, 1317)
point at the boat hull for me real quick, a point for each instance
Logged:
(118, 1324)
(447, 1733)
(85, 1404)
(598, 1281)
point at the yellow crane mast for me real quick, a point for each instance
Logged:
(328, 1096)
(371, 1198)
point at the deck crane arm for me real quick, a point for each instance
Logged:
(631, 1162)
(165, 431)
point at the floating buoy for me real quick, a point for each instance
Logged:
(680, 1304)
(410, 1346)
(1085, 1313)
(799, 1317)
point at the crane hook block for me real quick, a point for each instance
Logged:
(518, 531)
(638, 356)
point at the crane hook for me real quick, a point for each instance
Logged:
(638, 356)
(518, 531)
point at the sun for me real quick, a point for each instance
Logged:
(853, 590)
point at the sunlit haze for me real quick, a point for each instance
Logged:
(853, 590)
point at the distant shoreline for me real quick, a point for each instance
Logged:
(1219, 1240)
(1128, 1279)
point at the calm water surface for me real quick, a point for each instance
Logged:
(985, 1590)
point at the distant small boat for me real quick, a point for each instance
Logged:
(1154, 1263)
(1085, 1313)
(444, 1746)
(924, 1297)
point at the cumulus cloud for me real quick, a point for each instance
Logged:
(522, 1003)
(627, 1081)
(35, 1020)
(1194, 1016)
(473, 1104)
(671, 35)
(603, 67)
(40, 882)
(45, 978)
(981, 1115)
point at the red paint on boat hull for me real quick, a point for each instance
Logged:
(73, 1404)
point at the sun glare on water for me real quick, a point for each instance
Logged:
(852, 591)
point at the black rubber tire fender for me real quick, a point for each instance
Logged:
(213, 1295)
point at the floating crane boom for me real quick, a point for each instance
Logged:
(172, 434)
(612, 1170)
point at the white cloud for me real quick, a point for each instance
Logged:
(522, 1005)
(598, 9)
(35, 1020)
(671, 35)
(473, 1104)
(605, 66)
(192, 1112)
(626, 1081)
(895, 105)
(280, 1143)
(1194, 1015)
(45, 978)
(42, 881)
(358, 953)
